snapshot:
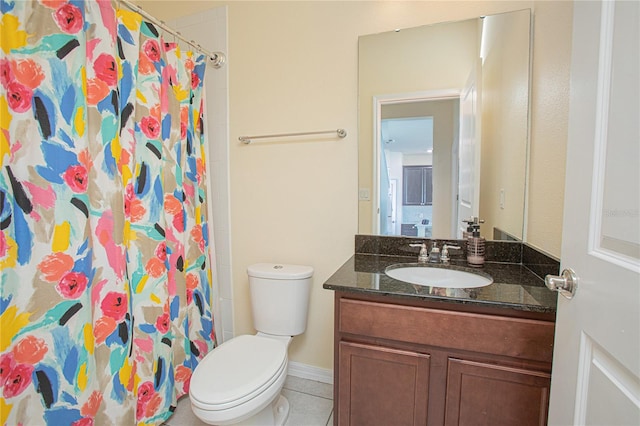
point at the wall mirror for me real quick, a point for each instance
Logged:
(444, 128)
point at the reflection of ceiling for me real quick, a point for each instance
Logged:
(407, 135)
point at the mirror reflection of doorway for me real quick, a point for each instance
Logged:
(406, 147)
(418, 152)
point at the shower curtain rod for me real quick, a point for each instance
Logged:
(216, 59)
(247, 139)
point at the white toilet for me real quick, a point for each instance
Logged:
(239, 382)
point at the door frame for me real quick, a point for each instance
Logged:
(399, 98)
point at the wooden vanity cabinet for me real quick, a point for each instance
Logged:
(402, 362)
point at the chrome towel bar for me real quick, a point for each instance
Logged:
(247, 139)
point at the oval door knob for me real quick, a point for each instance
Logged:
(565, 284)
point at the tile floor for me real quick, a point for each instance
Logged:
(311, 404)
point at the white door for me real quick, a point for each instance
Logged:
(596, 364)
(469, 150)
(395, 224)
(391, 209)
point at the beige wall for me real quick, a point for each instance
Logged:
(293, 67)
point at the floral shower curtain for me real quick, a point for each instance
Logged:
(105, 300)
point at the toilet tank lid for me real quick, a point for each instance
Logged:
(279, 271)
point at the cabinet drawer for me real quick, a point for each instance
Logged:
(514, 337)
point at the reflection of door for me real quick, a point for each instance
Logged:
(469, 163)
(391, 211)
(596, 366)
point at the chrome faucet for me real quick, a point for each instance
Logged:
(423, 257)
(444, 257)
(434, 256)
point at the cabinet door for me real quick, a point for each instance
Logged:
(493, 395)
(413, 194)
(381, 386)
(417, 186)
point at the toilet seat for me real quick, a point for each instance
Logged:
(238, 371)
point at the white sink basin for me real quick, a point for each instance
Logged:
(437, 277)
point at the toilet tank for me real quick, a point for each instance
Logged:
(280, 297)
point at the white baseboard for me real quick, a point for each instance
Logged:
(305, 371)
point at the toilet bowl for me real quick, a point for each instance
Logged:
(240, 381)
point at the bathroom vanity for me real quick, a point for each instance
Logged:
(419, 355)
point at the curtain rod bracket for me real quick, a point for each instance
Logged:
(217, 59)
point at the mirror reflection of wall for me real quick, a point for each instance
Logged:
(505, 133)
(431, 65)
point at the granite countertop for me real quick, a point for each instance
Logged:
(514, 285)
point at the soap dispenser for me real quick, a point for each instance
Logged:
(475, 247)
(471, 222)
(469, 232)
